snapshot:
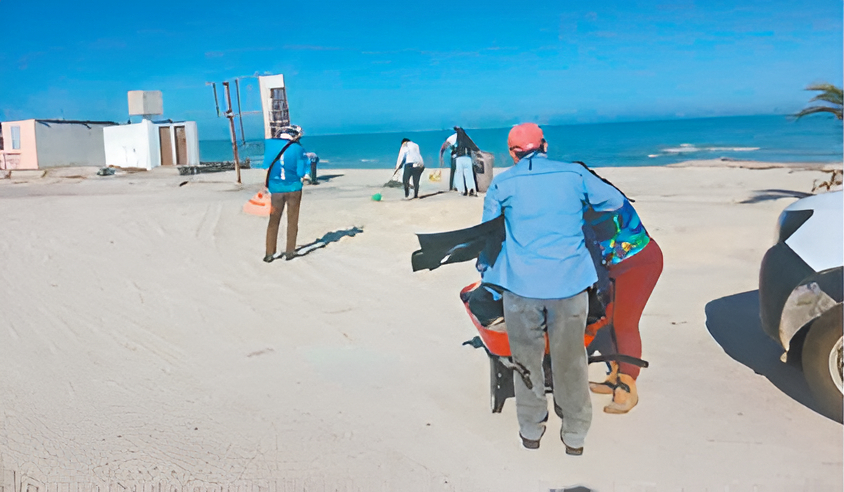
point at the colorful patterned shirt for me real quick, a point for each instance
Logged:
(620, 233)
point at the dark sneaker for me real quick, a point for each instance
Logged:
(572, 451)
(531, 443)
(289, 256)
(269, 258)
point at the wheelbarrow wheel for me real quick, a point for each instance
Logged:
(501, 384)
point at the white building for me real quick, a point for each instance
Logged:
(149, 144)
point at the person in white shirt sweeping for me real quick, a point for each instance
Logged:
(411, 159)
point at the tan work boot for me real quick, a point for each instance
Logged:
(625, 397)
(607, 387)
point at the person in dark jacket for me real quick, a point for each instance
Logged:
(462, 173)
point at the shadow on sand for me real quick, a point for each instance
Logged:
(765, 195)
(733, 322)
(428, 195)
(327, 177)
(328, 238)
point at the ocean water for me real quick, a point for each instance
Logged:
(648, 143)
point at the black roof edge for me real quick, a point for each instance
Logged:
(77, 122)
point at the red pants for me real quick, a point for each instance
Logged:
(635, 278)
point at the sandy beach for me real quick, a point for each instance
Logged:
(145, 345)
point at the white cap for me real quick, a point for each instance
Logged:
(291, 132)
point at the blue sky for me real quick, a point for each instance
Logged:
(353, 67)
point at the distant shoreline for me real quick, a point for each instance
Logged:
(752, 164)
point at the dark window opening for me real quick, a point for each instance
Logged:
(279, 112)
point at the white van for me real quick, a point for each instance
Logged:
(800, 293)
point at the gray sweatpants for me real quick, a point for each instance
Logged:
(566, 324)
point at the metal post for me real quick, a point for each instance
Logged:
(216, 104)
(239, 114)
(230, 116)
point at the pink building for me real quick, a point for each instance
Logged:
(40, 144)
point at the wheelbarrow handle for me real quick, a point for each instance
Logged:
(627, 359)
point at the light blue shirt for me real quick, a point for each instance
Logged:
(544, 254)
(286, 174)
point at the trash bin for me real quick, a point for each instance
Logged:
(482, 163)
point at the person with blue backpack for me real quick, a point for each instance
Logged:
(284, 182)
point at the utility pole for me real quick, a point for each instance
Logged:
(230, 116)
(239, 114)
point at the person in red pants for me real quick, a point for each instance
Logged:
(634, 263)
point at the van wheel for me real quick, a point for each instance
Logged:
(822, 363)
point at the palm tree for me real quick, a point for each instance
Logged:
(829, 93)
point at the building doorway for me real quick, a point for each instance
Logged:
(165, 145)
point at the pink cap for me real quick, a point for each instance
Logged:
(525, 137)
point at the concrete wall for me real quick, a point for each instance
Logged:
(134, 146)
(69, 144)
(145, 103)
(193, 143)
(27, 156)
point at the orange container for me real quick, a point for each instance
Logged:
(498, 343)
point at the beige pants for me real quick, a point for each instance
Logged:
(292, 199)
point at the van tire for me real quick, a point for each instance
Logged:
(823, 345)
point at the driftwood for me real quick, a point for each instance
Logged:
(835, 179)
(211, 167)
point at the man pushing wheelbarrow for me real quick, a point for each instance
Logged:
(541, 273)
